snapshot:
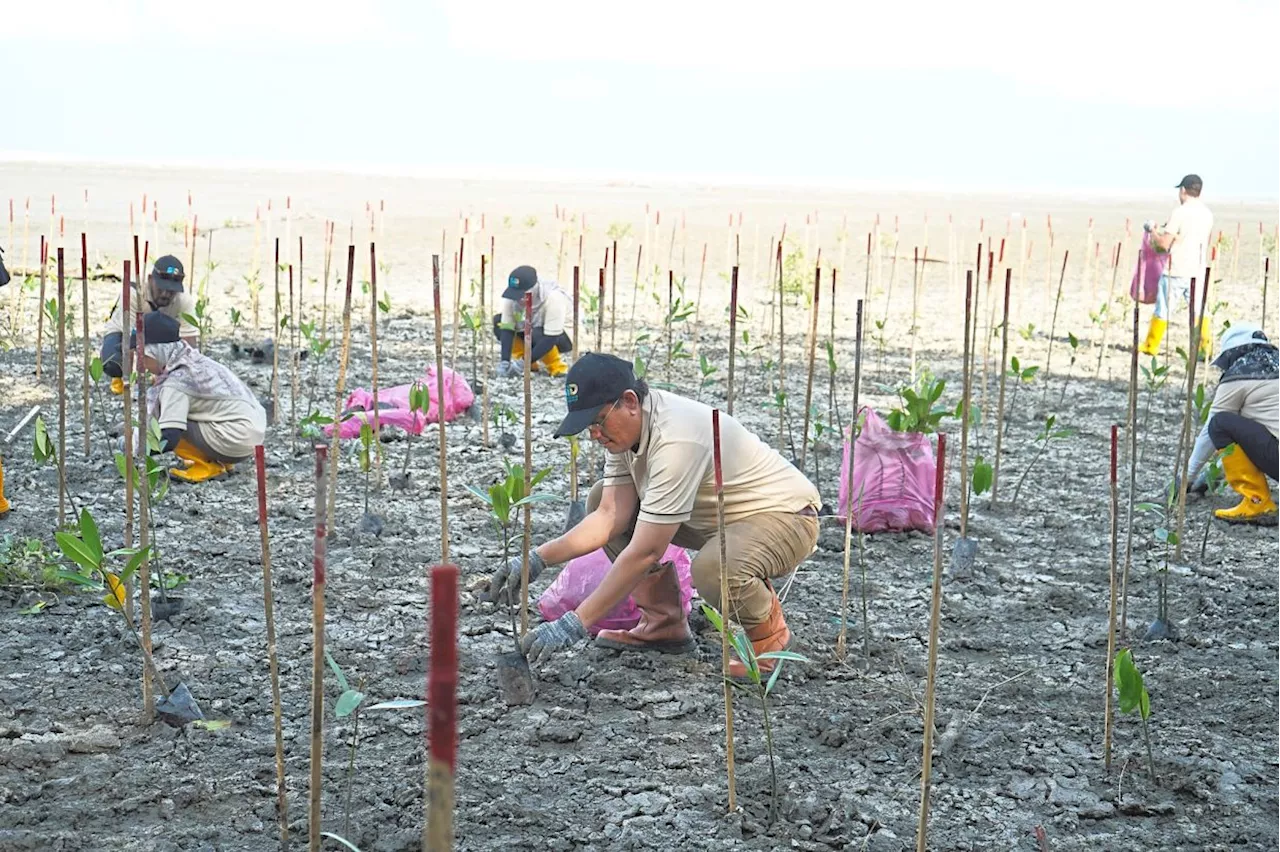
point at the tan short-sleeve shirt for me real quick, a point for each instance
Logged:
(232, 427)
(551, 310)
(673, 474)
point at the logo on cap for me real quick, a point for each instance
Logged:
(571, 392)
(513, 281)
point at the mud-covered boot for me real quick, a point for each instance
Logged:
(1256, 506)
(663, 626)
(770, 635)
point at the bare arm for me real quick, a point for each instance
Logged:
(642, 555)
(1163, 240)
(618, 504)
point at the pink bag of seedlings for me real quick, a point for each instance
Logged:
(894, 474)
(394, 407)
(1146, 278)
(581, 576)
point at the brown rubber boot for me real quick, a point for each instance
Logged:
(663, 626)
(770, 635)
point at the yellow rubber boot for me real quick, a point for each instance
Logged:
(1155, 334)
(1256, 505)
(517, 349)
(1206, 342)
(199, 467)
(554, 363)
(4, 504)
(117, 386)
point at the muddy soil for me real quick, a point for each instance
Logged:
(627, 751)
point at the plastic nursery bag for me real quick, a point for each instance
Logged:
(893, 479)
(581, 576)
(1146, 278)
(393, 405)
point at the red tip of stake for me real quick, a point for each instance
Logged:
(260, 464)
(940, 479)
(1114, 443)
(442, 676)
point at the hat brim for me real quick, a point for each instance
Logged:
(173, 285)
(577, 422)
(515, 294)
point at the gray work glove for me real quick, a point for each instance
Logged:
(505, 583)
(506, 369)
(551, 636)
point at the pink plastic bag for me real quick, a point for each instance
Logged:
(580, 577)
(894, 474)
(1146, 278)
(394, 407)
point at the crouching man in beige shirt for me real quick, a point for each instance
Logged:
(659, 489)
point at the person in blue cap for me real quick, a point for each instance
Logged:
(552, 310)
(163, 292)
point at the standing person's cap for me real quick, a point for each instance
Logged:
(168, 273)
(1235, 337)
(594, 381)
(521, 280)
(157, 327)
(1191, 182)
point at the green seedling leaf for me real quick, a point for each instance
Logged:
(337, 672)
(397, 704)
(983, 474)
(784, 655)
(134, 563)
(1133, 694)
(348, 702)
(89, 534)
(95, 369)
(773, 678)
(75, 550)
(714, 617)
(34, 609)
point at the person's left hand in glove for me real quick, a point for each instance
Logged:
(551, 636)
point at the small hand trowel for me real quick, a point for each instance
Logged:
(514, 677)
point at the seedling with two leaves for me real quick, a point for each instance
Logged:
(1134, 698)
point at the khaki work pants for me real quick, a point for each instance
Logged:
(759, 549)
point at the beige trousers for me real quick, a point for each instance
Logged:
(759, 549)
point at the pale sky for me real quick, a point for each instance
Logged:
(992, 94)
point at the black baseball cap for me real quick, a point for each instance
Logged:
(521, 280)
(1190, 182)
(594, 381)
(157, 327)
(168, 273)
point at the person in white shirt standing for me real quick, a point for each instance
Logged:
(1186, 239)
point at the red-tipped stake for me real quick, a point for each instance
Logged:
(577, 299)
(1053, 325)
(725, 609)
(275, 350)
(926, 765)
(340, 391)
(848, 512)
(127, 405)
(600, 314)
(44, 263)
(733, 333)
(1266, 274)
(813, 351)
(1004, 369)
(1111, 295)
(781, 399)
(1188, 423)
(613, 300)
(373, 354)
(697, 306)
(318, 581)
(444, 466)
(1132, 435)
(268, 608)
(1111, 621)
(484, 312)
(62, 390)
(84, 327)
(144, 512)
(442, 708)
(528, 462)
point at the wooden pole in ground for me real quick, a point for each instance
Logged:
(488, 338)
(1132, 436)
(725, 607)
(84, 328)
(733, 333)
(127, 404)
(440, 423)
(1053, 325)
(635, 291)
(1106, 323)
(782, 356)
(1188, 432)
(986, 339)
(275, 348)
(1004, 377)
(457, 301)
(613, 302)
(144, 531)
(293, 373)
(62, 391)
(373, 355)
(935, 612)
(964, 409)
(848, 481)
(1266, 274)
(295, 323)
(328, 260)
(599, 315)
(577, 298)
(813, 351)
(697, 305)
(915, 308)
(1111, 621)
(44, 263)
(833, 415)
(442, 709)
(318, 582)
(528, 461)
(335, 445)
(268, 607)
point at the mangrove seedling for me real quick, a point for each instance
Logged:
(1166, 539)
(1075, 351)
(917, 411)
(757, 685)
(1134, 697)
(1155, 376)
(708, 371)
(419, 401)
(1021, 376)
(1048, 432)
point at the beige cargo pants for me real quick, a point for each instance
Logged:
(759, 549)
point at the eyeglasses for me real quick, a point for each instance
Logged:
(597, 425)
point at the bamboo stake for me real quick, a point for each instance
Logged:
(293, 374)
(1188, 425)
(127, 405)
(926, 765)
(833, 414)
(1132, 428)
(318, 582)
(577, 297)
(599, 315)
(444, 468)
(724, 607)
(457, 301)
(373, 354)
(1106, 324)
(442, 709)
(915, 308)
(328, 258)
(671, 278)
(488, 338)
(275, 349)
(335, 446)
(1053, 325)
(697, 309)
(528, 462)
(84, 327)
(986, 337)
(848, 481)
(635, 290)
(62, 391)
(1266, 274)
(268, 607)
(782, 355)
(733, 333)
(964, 421)
(44, 263)
(144, 531)
(813, 346)
(295, 323)
(1004, 376)
(1111, 621)
(613, 302)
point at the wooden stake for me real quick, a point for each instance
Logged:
(44, 263)
(782, 356)
(1188, 432)
(599, 315)
(1111, 295)
(144, 531)
(813, 348)
(1266, 274)
(487, 348)
(528, 462)
(1111, 622)
(328, 258)
(577, 298)
(964, 409)
(1132, 430)
(1004, 376)
(457, 301)
(373, 354)
(697, 308)
(273, 664)
(833, 413)
(275, 349)
(440, 423)
(127, 405)
(915, 308)
(318, 582)
(848, 481)
(442, 709)
(335, 445)
(84, 326)
(635, 290)
(725, 608)
(1053, 325)
(733, 333)
(935, 612)
(62, 391)
(613, 302)
(293, 373)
